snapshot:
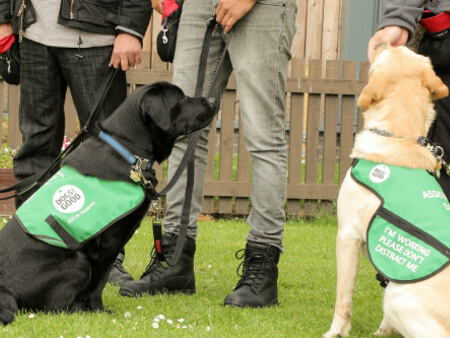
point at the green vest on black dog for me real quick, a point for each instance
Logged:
(70, 208)
(408, 238)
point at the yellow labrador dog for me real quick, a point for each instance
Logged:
(399, 111)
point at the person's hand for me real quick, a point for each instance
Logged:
(158, 6)
(231, 11)
(391, 35)
(5, 30)
(126, 52)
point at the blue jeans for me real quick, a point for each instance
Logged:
(45, 74)
(258, 54)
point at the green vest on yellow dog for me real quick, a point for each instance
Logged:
(408, 238)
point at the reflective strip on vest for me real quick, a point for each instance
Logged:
(81, 206)
(408, 238)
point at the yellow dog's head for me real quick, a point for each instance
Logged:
(394, 65)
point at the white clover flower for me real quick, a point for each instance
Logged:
(31, 316)
(155, 325)
(127, 314)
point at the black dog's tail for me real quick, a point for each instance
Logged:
(8, 306)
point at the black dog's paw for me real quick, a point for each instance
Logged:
(8, 306)
(6, 316)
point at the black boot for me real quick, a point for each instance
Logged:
(118, 274)
(258, 284)
(158, 278)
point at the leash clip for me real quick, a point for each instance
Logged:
(142, 164)
(136, 171)
(157, 207)
(157, 225)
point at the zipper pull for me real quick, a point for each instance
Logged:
(20, 14)
(22, 8)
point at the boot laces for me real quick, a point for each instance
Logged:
(252, 268)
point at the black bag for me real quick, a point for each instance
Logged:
(10, 64)
(167, 38)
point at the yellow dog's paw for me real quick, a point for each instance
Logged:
(334, 334)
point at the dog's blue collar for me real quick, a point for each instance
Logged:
(136, 161)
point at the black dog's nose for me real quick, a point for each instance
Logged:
(212, 101)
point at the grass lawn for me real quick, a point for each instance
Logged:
(306, 292)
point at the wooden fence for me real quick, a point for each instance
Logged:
(321, 118)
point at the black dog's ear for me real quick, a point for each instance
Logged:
(158, 102)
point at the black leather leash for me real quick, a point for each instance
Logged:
(30, 182)
(188, 159)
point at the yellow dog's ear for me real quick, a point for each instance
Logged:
(373, 91)
(434, 84)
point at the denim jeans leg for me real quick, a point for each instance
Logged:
(84, 76)
(41, 111)
(46, 73)
(186, 64)
(260, 51)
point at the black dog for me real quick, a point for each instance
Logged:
(37, 276)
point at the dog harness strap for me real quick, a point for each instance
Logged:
(71, 242)
(113, 143)
(138, 164)
(146, 164)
